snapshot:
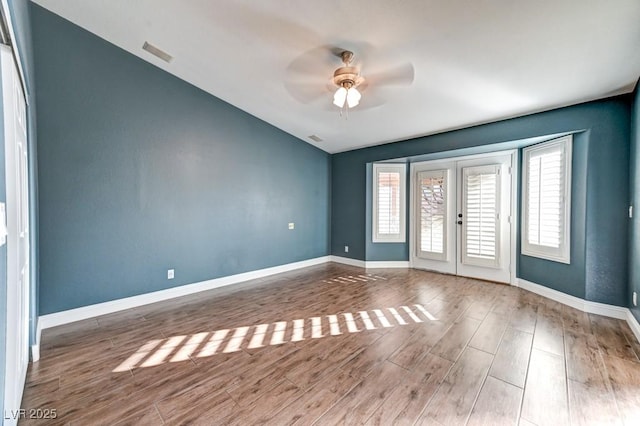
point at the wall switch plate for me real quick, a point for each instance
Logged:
(170, 274)
(292, 225)
(635, 298)
(346, 249)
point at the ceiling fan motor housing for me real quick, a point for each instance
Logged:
(347, 77)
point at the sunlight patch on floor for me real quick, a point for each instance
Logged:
(206, 344)
(350, 279)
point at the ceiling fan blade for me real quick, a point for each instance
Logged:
(402, 75)
(317, 62)
(308, 92)
(369, 101)
(364, 86)
(309, 76)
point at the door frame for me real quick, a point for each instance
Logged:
(513, 216)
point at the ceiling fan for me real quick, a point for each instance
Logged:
(347, 78)
(309, 78)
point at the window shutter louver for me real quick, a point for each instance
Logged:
(480, 215)
(545, 199)
(546, 208)
(388, 202)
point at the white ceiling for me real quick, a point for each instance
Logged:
(475, 61)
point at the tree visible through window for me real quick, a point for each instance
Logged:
(432, 212)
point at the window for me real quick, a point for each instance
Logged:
(389, 189)
(432, 199)
(546, 200)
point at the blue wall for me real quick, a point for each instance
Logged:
(140, 172)
(634, 255)
(598, 270)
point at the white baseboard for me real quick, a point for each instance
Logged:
(633, 324)
(387, 264)
(558, 296)
(575, 302)
(35, 348)
(348, 261)
(91, 311)
(370, 264)
(611, 311)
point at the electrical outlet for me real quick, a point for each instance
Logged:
(346, 249)
(292, 225)
(635, 298)
(171, 274)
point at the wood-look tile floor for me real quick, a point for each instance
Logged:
(334, 344)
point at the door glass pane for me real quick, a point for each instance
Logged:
(480, 216)
(433, 212)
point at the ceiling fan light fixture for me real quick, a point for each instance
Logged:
(353, 97)
(340, 97)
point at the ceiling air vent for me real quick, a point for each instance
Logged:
(157, 52)
(315, 138)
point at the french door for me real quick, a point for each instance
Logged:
(17, 238)
(461, 213)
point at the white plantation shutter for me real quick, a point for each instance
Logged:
(480, 217)
(389, 202)
(546, 200)
(432, 188)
